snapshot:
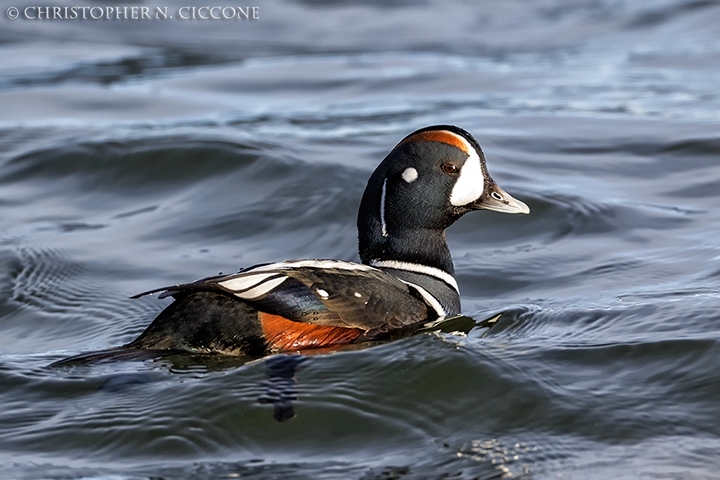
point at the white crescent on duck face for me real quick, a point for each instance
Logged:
(406, 279)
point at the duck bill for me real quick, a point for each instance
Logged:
(498, 200)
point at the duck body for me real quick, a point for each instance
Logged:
(406, 278)
(287, 306)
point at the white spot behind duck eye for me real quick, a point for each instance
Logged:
(409, 174)
(323, 293)
(471, 182)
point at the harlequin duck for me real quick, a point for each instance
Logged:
(406, 279)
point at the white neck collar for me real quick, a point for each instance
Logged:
(418, 268)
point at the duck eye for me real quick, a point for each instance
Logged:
(450, 168)
(496, 196)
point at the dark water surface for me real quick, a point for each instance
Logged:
(136, 154)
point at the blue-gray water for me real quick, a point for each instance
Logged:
(136, 154)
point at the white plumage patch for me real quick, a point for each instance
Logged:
(382, 209)
(244, 282)
(259, 281)
(429, 299)
(471, 181)
(324, 264)
(263, 284)
(417, 268)
(409, 174)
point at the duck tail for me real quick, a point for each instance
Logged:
(123, 353)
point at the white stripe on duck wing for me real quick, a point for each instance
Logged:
(320, 292)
